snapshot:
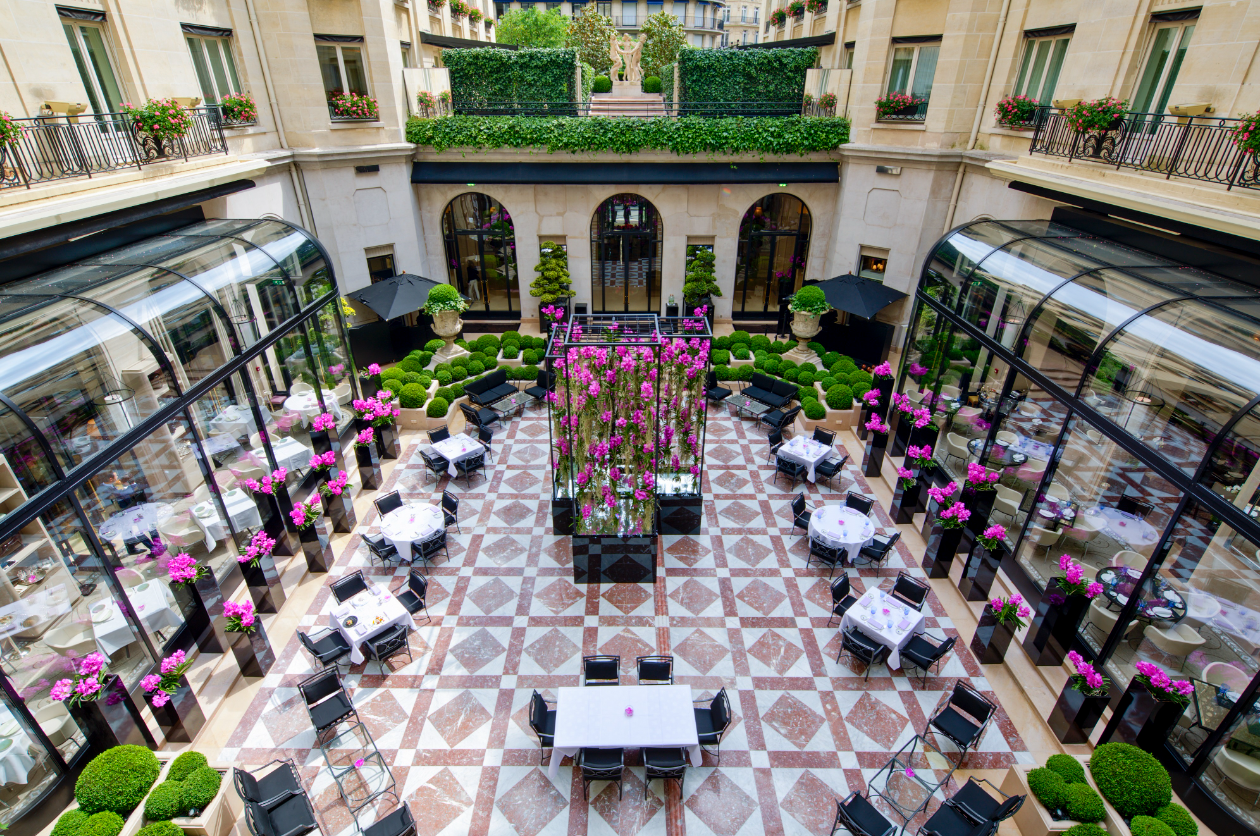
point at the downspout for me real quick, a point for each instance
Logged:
(975, 124)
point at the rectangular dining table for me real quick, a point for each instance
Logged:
(595, 717)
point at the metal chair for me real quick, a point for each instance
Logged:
(435, 464)
(601, 765)
(863, 648)
(665, 764)
(656, 670)
(841, 599)
(485, 437)
(796, 470)
(270, 788)
(412, 598)
(712, 721)
(440, 434)
(826, 555)
(479, 417)
(392, 642)
(879, 550)
(327, 650)
(380, 549)
(777, 419)
(921, 653)
(712, 391)
(327, 702)
(450, 510)
(601, 670)
(289, 816)
(543, 722)
(826, 470)
(424, 550)
(825, 436)
(388, 502)
(544, 386)
(775, 440)
(397, 823)
(859, 502)
(1129, 505)
(800, 514)
(963, 718)
(343, 589)
(909, 590)
(471, 465)
(971, 812)
(859, 817)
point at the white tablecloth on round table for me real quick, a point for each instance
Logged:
(368, 607)
(15, 758)
(410, 523)
(895, 637)
(235, 420)
(153, 605)
(456, 449)
(136, 521)
(1124, 528)
(805, 451)
(292, 454)
(307, 405)
(840, 527)
(240, 507)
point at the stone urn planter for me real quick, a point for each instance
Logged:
(805, 326)
(447, 325)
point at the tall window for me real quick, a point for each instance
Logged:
(1039, 69)
(700, 14)
(626, 256)
(773, 244)
(628, 14)
(756, 15)
(481, 252)
(216, 69)
(847, 62)
(406, 53)
(912, 70)
(680, 10)
(1168, 49)
(754, 37)
(604, 8)
(743, 14)
(380, 264)
(91, 57)
(342, 69)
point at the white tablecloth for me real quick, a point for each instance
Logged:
(595, 718)
(15, 758)
(292, 454)
(152, 602)
(307, 405)
(405, 525)
(840, 527)
(240, 507)
(894, 637)
(368, 608)
(1032, 448)
(235, 420)
(136, 521)
(1123, 528)
(456, 449)
(805, 451)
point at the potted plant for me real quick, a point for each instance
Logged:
(250, 646)
(778, 17)
(10, 130)
(827, 101)
(1016, 112)
(338, 504)
(445, 305)
(459, 9)
(475, 16)
(997, 626)
(172, 699)
(1096, 115)
(259, 569)
(982, 564)
(873, 461)
(1149, 708)
(1245, 134)
(552, 284)
(354, 107)
(272, 499)
(370, 380)
(817, 7)
(427, 102)
(309, 522)
(326, 440)
(1081, 702)
(907, 500)
(796, 9)
(946, 534)
(807, 306)
(379, 414)
(552, 315)
(979, 491)
(1059, 614)
(897, 104)
(238, 109)
(368, 459)
(112, 721)
(158, 124)
(699, 285)
(194, 586)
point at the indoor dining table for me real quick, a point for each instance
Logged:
(893, 630)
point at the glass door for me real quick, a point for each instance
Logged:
(91, 56)
(1168, 51)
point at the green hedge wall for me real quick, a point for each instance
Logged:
(588, 81)
(504, 76)
(667, 84)
(771, 76)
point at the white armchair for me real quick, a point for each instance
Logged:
(1240, 769)
(1127, 557)
(1006, 437)
(1104, 620)
(1179, 640)
(1007, 501)
(1044, 538)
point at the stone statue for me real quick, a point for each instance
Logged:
(615, 55)
(629, 51)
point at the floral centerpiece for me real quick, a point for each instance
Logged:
(1087, 680)
(365, 438)
(1245, 134)
(335, 486)
(354, 106)
(89, 676)
(1073, 582)
(1010, 611)
(980, 478)
(240, 617)
(183, 568)
(991, 536)
(260, 546)
(1015, 111)
(1161, 686)
(891, 103)
(324, 421)
(1095, 115)
(305, 513)
(163, 687)
(10, 129)
(161, 119)
(267, 484)
(377, 411)
(239, 107)
(955, 516)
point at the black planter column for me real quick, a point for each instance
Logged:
(369, 460)
(884, 386)
(274, 510)
(901, 425)
(906, 501)
(387, 441)
(113, 718)
(181, 718)
(873, 462)
(326, 441)
(942, 546)
(1141, 719)
(980, 504)
(1054, 627)
(264, 585)
(253, 651)
(316, 546)
(1076, 714)
(980, 571)
(202, 605)
(992, 638)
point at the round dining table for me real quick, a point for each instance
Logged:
(1120, 526)
(1158, 601)
(999, 454)
(841, 527)
(410, 524)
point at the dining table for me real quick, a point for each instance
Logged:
(235, 420)
(1121, 526)
(366, 615)
(411, 523)
(806, 451)
(135, 523)
(15, 745)
(456, 448)
(999, 454)
(240, 509)
(291, 454)
(841, 527)
(1158, 601)
(888, 621)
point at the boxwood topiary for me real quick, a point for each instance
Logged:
(476, 367)
(720, 357)
(426, 357)
(457, 389)
(104, 823)
(166, 801)
(740, 337)
(781, 347)
(185, 765)
(723, 372)
(443, 378)
(459, 373)
(530, 357)
(411, 364)
(759, 342)
(1049, 788)
(1179, 819)
(411, 377)
(463, 343)
(759, 363)
(1131, 779)
(602, 84)
(445, 393)
(434, 345)
(200, 788)
(460, 362)
(1085, 830)
(805, 378)
(784, 365)
(511, 336)
(773, 365)
(1149, 826)
(741, 352)
(488, 344)
(477, 357)
(860, 389)
(392, 372)
(791, 375)
(745, 372)
(69, 823)
(815, 411)
(511, 351)
(117, 780)
(844, 366)
(651, 84)
(806, 393)
(1069, 768)
(437, 408)
(840, 397)
(412, 396)
(827, 382)
(723, 342)
(860, 376)
(1082, 803)
(830, 358)
(529, 373)
(161, 828)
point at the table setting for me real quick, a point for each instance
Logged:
(841, 527)
(307, 405)
(456, 449)
(411, 523)
(291, 454)
(15, 757)
(136, 522)
(234, 420)
(1159, 601)
(366, 615)
(888, 621)
(240, 508)
(1121, 526)
(1057, 510)
(805, 451)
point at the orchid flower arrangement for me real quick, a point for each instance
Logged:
(942, 495)
(916, 370)
(305, 513)
(991, 536)
(373, 370)
(1073, 582)
(907, 478)
(164, 686)
(240, 617)
(336, 486)
(86, 685)
(268, 484)
(553, 313)
(378, 410)
(884, 369)
(1087, 680)
(1010, 611)
(1161, 686)
(876, 426)
(980, 478)
(323, 461)
(364, 438)
(183, 568)
(260, 546)
(919, 456)
(324, 421)
(871, 397)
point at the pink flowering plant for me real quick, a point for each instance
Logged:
(1015, 111)
(906, 478)
(324, 421)
(871, 397)
(161, 119)
(884, 369)
(321, 462)
(1073, 581)
(239, 107)
(260, 546)
(373, 370)
(1245, 134)
(268, 484)
(1086, 679)
(875, 425)
(10, 129)
(354, 106)
(89, 676)
(163, 686)
(980, 478)
(377, 411)
(305, 513)
(917, 370)
(553, 313)
(335, 486)
(942, 495)
(1161, 686)
(991, 536)
(240, 617)
(364, 438)
(1095, 115)
(920, 457)
(890, 103)
(955, 516)
(183, 568)
(1010, 611)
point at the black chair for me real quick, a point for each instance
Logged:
(471, 465)
(486, 436)
(270, 788)
(796, 470)
(412, 598)
(825, 555)
(665, 764)
(712, 391)
(291, 815)
(544, 385)
(825, 436)
(712, 721)
(601, 670)
(656, 670)
(963, 719)
(543, 721)
(972, 811)
(921, 653)
(435, 464)
(826, 471)
(343, 589)
(800, 515)
(397, 823)
(863, 648)
(1129, 505)
(450, 510)
(601, 765)
(841, 599)
(879, 550)
(327, 702)
(861, 503)
(775, 440)
(424, 550)
(388, 502)
(380, 549)
(858, 816)
(440, 434)
(909, 590)
(479, 417)
(777, 419)
(327, 650)
(393, 642)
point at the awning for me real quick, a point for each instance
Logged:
(857, 295)
(817, 40)
(396, 296)
(461, 43)
(459, 170)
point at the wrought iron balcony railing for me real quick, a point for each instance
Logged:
(913, 113)
(1196, 148)
(637, 109)
(52, 148)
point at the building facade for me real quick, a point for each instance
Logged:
(704, 21)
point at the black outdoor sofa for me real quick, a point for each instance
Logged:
(773, 393)
(490, 388)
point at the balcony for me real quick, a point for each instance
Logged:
(1194, 148)
(60, 148)
(646, 109)
(913, 113)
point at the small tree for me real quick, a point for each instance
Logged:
(591, 34)
(699, 282)
(553, 274)
(664, 39)
(530, 27)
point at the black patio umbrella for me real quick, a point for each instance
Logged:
(857, 295)
(396, 296)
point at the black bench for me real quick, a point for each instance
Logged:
(490, 388)
(773, 393)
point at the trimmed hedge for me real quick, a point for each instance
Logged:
(200, 788)
(505, 76)
(1179, 819)
(1133, 781)
(161, 828)
(1149, 826)
(1085, 830)
(815, 411)
(840, 397)
(1069, 768)
(741, 352)
(1082, 803)
(412, 396)
(772, 76)
(106, 823)
(603, 84)
(437, 408)
(1048, 786)
(116, 780)
(511, 351)
(720, 357)
(434, 345)
(70, 823)
(165, 802)
(740, 337)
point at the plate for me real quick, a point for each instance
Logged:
(29, 621)
(100, 615)
(350, 622)
(142, 587)
(6, 620)
(9, 729)
(1162, 612)
(202, 510)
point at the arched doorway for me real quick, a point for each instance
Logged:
(773, 243)
(481, 253)
(626, 256)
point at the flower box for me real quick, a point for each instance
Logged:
(1033, 819)
(413, 419)
(220, 815)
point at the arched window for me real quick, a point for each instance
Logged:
(626, 256)
(773, 243)
(481, 253)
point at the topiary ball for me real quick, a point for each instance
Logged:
(460, 362)
(651, 84)
(723, 373)
(1049, 788)
(391, 373)
(860, 389)
(457, 389)
(511, 351)
(426, 357)
(530, 357)
(1149, 826)
(476, 368)
(161, 828)
(741, 352)
(805, 378)
(720, 357)
(459, 373)
(104, 823)
(746, 372)
(488, 344)
(411, 377)
(70, 823)
(477, 357)
(740, 337)
(773, 365)
(839, 397)
(827, 382)
(1177, 818)
(443, 378)
(1131, 779)
(1082, 803)
(815, 411)
(1085, 830)
(434, 345)
(200, 788)
(1069, 768)
(791, 375)
(445, 393)
(785, 364)
(437, 408)
(511, 336)
(806, 393)
(759, 342)
(412, 396)
(722, 342)
(781, 347)
(411, 364)
(116, 780)
(844, 365)
(165, 802)
(830, 358)
(602, 84)
(759, 363)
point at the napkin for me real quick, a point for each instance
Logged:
(903, 625)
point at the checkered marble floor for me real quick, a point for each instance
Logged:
(734, 605)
